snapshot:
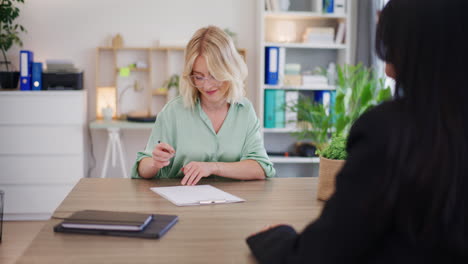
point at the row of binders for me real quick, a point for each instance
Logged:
(277, 114)
(30, 72)
(277, 72)
(337, 7)
(117, 224)
(278, 107)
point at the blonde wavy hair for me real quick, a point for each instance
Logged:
(223, 61)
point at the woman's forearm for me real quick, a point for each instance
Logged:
(146, 168)
(242, 170)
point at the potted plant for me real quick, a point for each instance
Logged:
(332, 159)
(357, 90)
(9, 35)
(172, 85)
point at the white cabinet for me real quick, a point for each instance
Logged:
(41, 150)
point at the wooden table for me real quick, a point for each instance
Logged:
(204, 234)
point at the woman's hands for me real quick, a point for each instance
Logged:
(162, 154)
(194, 171)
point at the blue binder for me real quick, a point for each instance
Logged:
(328, 6)
(271, 65)
(36, 78)
(26, 60)
(325, 98)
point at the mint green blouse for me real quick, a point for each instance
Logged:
(191, 134)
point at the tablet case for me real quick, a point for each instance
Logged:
(110, 220)
(155, 229)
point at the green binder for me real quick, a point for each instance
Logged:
(279, 108)
(269, 115)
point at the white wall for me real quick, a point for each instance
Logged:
(72, 29)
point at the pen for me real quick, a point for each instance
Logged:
(212, 201)
(159, 141)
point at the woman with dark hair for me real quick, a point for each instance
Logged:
(402, 196)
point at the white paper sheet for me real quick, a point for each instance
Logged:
(196, 195)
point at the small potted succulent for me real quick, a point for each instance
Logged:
(9, 36)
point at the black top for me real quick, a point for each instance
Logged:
(353, 228)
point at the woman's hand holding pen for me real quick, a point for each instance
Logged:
(162, 154)
(194, 171)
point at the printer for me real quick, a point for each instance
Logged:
(62, 80)
(61, 75)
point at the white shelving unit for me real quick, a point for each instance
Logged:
(301, 15)
(288, 160)
(306, 45)
(310, 56)
(300, 88)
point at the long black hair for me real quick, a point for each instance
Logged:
(427, 43)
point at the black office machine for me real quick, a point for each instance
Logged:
(62, 81)
(62, 75)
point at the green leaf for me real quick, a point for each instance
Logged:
(336, 150)
(9, 31)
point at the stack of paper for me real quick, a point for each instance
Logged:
(195, 195)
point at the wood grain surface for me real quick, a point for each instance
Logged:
(204, 234)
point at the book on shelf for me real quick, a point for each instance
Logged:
(107, 220)
(271, 65)
(323, 35)
(267, 5)
(275, 6)
(314, 80)
(328, 7)
(275, 107)
(26, 62)
(339, 7)
(281, 65)
(340, 33)
(325, 98)
(291, 98)
(292, 68)
(317, 6)
(293, 79)
(269, 116)
(279, 108)
(36, 77)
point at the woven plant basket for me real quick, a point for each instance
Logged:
(328, 170)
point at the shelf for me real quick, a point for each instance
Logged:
(161, 48)
(304, 88)
(156, 92)
(302, 15)
(280, 159)
(307, 45)
(125, 48)
(280, 130)
(123, 124)
(168, 48)
(135, 69)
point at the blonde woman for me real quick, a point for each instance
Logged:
(211, 129)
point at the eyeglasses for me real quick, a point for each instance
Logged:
(199, 81)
